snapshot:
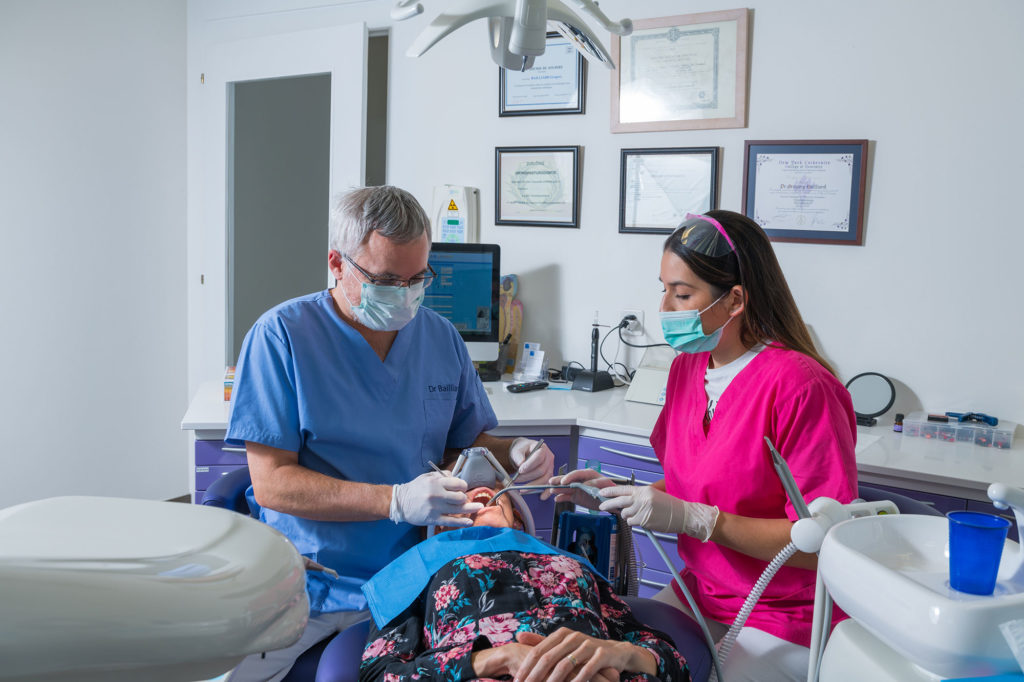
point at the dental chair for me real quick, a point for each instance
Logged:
(97, 588)
(228, 492)
(336, 659)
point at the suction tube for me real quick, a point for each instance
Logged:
(721, 652)
(725, 646)
(693, 605)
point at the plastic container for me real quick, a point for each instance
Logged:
(916, 424)
(593, 538)
(976, 542)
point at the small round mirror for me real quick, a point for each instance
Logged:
(872, 394)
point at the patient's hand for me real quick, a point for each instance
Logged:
(500, 660)
(508, 660)
(569, 655)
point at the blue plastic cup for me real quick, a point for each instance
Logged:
(976, 542)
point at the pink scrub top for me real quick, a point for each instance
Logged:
(808, 415)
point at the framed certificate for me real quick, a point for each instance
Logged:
(658, 187)
(556, 84)
(808, 191)
(681, 73)
(536, 186)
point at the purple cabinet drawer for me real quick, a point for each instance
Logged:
(942, 503)
(560, 446)
(652, 582)
(619, 454)
(646, 591)
(648, 556)
(206, 475)
(989, 508)
(545, 534)
(544, 510)
(642, 476)
(210, 452)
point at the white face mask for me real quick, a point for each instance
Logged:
(385, 309)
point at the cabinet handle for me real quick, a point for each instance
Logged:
(651, 583)
(631, 455)
(227, 449)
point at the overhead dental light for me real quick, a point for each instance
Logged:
(517, 29)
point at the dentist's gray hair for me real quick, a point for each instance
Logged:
(389, 211)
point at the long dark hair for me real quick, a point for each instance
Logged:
(769, 309)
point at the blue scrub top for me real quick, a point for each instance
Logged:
(309, 383)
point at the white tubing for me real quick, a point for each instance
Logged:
(693, 605)
(748, 606)
(817, 626)
(824, 633)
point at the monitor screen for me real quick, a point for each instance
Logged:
(465, 290)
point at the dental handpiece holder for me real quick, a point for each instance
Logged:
(1007, 497)
(868, 564)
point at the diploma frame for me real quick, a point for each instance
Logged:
(853, 213)
(630, 205)
(507, 89)
(559, 158)
(731, 65)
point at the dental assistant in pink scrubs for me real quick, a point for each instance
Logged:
(747, 369)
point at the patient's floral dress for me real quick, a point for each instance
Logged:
(483, 600)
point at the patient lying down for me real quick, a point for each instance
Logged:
(491, 602)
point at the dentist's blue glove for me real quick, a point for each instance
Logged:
(431, 499)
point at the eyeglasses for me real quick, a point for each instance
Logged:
(425, 278)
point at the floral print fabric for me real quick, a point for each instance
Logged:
(483, 600)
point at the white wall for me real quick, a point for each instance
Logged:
(92, 242)
(931, 297)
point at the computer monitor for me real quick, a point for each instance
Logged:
(465, 292)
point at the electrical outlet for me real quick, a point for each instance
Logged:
(636, 327)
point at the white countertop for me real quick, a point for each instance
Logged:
(546, 411)
(884, 457)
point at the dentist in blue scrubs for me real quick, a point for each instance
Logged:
(344, 397)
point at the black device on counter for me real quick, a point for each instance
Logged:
(592, 380)
(525, 386)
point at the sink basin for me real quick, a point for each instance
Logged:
(891, 574)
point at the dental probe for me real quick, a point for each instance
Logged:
(537, 447)
(588, 489)
(529, 454)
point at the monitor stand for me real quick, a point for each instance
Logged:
(484, 355)
(482, 351)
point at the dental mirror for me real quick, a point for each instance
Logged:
(872, 394)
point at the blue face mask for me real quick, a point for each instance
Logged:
(684, 331)
(386, 309)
